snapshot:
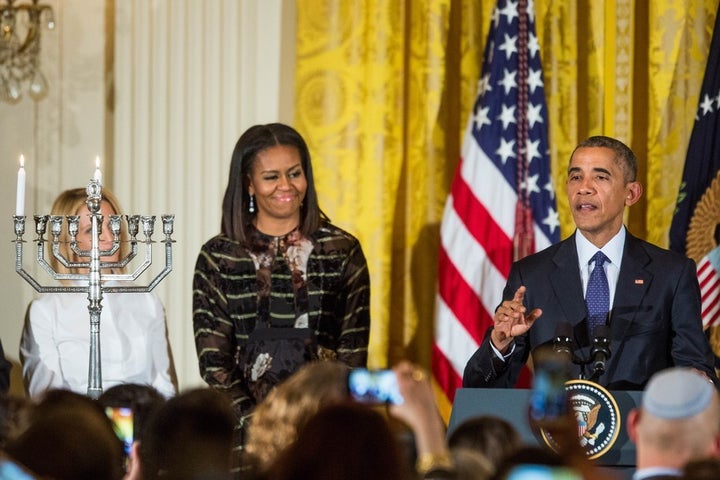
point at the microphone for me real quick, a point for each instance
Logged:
(600, 350)
(562, 343)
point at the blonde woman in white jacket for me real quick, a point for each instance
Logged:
(55, 344)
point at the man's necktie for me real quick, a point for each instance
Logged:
(597, 296)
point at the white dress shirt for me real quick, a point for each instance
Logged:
(55, 344)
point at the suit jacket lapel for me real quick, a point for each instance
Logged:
(566, 282)
(632, 285)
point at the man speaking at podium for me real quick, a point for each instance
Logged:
(620, 308)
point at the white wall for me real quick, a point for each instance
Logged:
(161, 90)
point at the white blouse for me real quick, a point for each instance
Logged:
(55, 344)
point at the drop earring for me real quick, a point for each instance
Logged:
(251, 206)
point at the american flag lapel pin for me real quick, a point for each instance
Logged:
(639, 281)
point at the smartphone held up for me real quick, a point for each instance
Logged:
(374, 386)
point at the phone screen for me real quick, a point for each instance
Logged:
(122, 418)
(542, 472)
(549, 399)
(374, 386)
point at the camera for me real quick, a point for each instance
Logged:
(374, 386)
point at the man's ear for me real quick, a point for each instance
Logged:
(633, 419)
(634, 191)
(716, 446)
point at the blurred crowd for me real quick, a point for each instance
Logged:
(312, 427)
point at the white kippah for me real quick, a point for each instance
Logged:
(677, 393)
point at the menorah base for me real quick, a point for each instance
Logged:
(94, 393)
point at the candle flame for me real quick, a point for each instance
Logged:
(97, 161)
(22, 160)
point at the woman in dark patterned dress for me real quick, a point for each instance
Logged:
(280, 286)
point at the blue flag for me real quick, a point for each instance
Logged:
(702, 166)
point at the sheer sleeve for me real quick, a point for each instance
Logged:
(354, 309)
(214, 329)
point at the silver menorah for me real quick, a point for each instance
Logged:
(94, 282)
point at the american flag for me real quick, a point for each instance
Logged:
(502, 203)
(709, 279)
(693, 230)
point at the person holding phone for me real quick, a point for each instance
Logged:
(418, 410)
(130, 406)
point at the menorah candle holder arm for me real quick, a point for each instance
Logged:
(19, 226)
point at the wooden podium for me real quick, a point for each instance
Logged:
(512, 405)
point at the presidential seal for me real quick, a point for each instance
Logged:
(597, 414)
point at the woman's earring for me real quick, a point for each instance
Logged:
(251, 206)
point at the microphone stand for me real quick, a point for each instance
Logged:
(599, 354)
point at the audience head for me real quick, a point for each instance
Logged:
(532, 462)
(471, 464)
(15, 415)
(142, 401)
(73, 202)
(236, 215)
(707, 468)
(345, 440)
(69, 438)
(288, 407)
(189, 437)
(491, 436)
(678, 421)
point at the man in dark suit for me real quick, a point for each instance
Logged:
(654, 319)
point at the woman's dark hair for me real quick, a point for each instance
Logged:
(343, 440)
(235, 215)
(142, 399)
(492, 436)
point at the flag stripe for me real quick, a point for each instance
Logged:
(481, 224)
(444, 373)
(490, 186)
(709, 290)
(461, 295)
(486, 282)
(453, 341)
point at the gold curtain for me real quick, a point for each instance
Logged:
(384, 89)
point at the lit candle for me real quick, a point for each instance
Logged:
(20, 200)
(98, 174)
